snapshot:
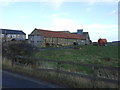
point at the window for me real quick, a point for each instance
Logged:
(23, 36)
(18, 36)
(2, 35)
(82, 40)
(13, 36)
(9, 36)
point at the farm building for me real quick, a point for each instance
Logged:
(40, 37)
(85, 34)
(8, 35)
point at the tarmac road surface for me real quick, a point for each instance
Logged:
(13, 80)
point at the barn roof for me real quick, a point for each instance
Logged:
(9, 31)
(57, 34)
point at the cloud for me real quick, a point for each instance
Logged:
(114, 12)
(7, 2)
(65, 24)
(108, 31)
(55, 15)
(65, 14)
(60, 14)
(100, 26)
(94, 1)
(60, 0)
(88, 9)
(24, 17)
(117, 1)
(54, 4)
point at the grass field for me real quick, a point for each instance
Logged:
(103, 55)
(64, 80)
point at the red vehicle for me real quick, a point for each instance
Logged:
(102, 42)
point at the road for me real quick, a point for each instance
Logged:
(12, 80)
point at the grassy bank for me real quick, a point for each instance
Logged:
(86, 54)
(55, 78)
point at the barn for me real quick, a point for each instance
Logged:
(41, 37)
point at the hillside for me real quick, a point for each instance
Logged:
(104, 55)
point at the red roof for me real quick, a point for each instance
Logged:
(57, 34)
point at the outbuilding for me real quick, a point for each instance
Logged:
(40, 37)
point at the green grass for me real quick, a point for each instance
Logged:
(87, 55)
(104, 55)
(60, 79)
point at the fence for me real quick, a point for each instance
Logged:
(95, 68)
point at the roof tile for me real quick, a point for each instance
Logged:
(57, 34)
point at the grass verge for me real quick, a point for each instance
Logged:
(60, 79)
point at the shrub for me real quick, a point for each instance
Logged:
(17, 48)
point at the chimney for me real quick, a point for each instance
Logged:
(80, 31)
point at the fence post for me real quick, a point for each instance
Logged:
(94, 75)
(12, 62)
(58, 68)
(34, 63)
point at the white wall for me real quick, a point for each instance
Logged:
(35, 39)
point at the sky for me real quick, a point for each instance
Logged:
(98, 17)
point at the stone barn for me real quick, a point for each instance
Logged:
(43, 38)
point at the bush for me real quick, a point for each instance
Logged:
(17, 48)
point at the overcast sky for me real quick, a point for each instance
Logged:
(98, 17)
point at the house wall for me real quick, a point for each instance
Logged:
(62, 41)
(36, 40)
(41, 41)
(9, 37)
(82, 42)
(34, 32)
(21, 36)
(71, 41)
(87, 41)
(1, 36)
